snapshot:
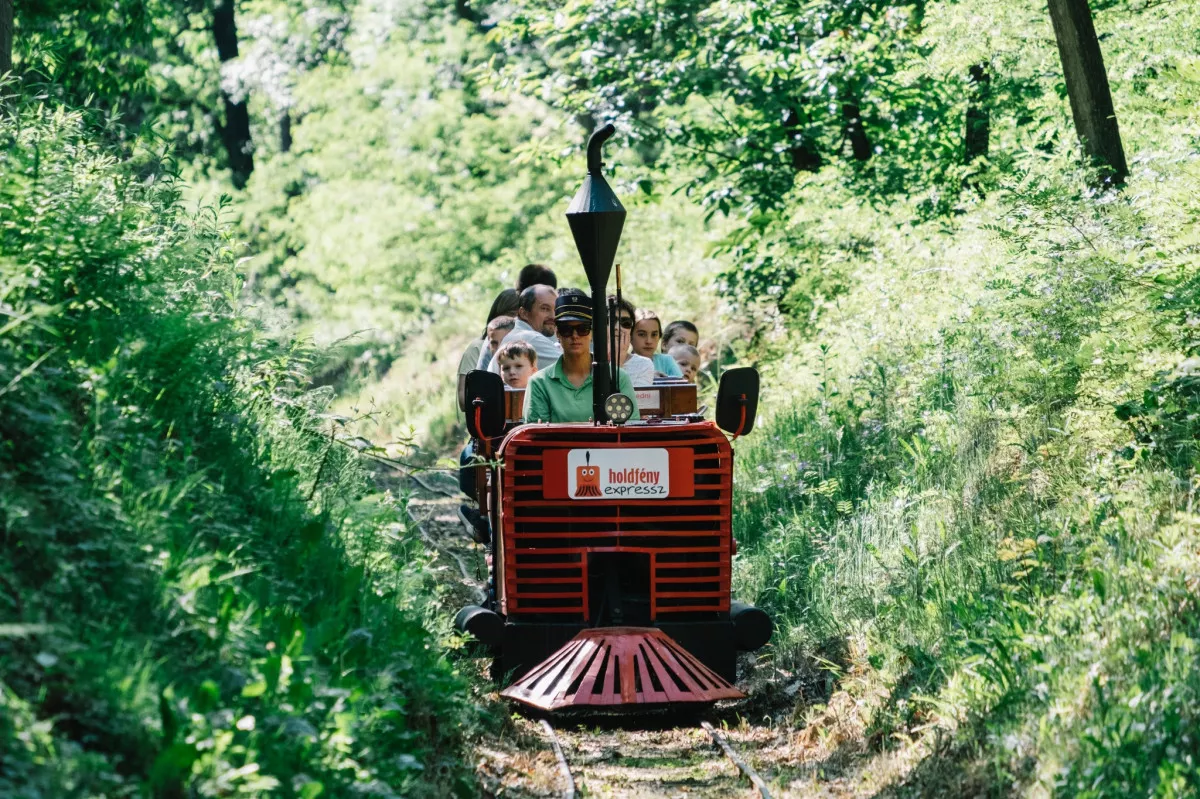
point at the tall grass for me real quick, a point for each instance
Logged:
(197, 596)
(998, 503)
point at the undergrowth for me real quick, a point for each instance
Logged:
(198, 596)
(998, 501)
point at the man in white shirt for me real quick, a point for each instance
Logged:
(535, 326)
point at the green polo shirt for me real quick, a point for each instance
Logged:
(550, 397)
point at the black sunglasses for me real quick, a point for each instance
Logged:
(626, 323)
(568, 330)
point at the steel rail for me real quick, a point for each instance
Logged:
(563, 768)
(720, 740)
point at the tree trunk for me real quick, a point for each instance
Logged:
(1087, 86)
(235, 133)
(6, 36)
(978, 120)
(464, 11)
(285, 132)
(860, 145)
(805, 155)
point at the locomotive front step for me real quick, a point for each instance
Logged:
(620, 668)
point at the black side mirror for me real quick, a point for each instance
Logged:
(737, 400)
(484, 404)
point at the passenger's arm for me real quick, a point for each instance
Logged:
(465, 364)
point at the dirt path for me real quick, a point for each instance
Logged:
(823, 755)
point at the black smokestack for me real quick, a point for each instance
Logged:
(596, 218)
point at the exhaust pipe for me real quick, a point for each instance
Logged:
(596, 218)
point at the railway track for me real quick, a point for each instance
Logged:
(609, 756)
(695, 761)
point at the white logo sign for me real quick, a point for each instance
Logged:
(647, 398)
(618, 473)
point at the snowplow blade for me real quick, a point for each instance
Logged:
(617, 668)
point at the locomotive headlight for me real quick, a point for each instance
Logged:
(619, 408)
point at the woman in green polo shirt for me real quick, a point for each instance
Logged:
(563, 391)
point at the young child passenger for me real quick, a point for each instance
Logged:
(518, 362)
(647, 333)
(497, 329)
(680, 332)
(688, 358)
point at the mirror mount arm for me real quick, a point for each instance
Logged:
(478, 404)
(741, 424)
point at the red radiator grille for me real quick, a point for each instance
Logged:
(547, 541)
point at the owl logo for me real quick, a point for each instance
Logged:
(587, 478)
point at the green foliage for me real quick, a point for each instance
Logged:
(954, 483)
(196, 597)
(92, 49)
(1166, 419)
(401, 186)
(754, 94)
(942, 479)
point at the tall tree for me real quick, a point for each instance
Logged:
(1087, 85)
(860, 145)
(978, 127)
(805, 155)
(235, 132)
(6, 36)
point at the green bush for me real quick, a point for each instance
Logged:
(196, 597)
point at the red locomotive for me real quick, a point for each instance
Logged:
(611, 539)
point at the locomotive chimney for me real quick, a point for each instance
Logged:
(596, 217)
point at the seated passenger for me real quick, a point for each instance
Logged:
(505, 304)
(640, 368)
(533, 274)
(534, 326)
(680, 331)
(562, 391)
(518, 362)
(688, 358)
(647, 332)
(497, 329)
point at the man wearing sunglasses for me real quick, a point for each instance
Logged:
(563, 391)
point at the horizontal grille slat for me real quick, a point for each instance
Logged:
(539, 580)
(688, 594)
(549, 565)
